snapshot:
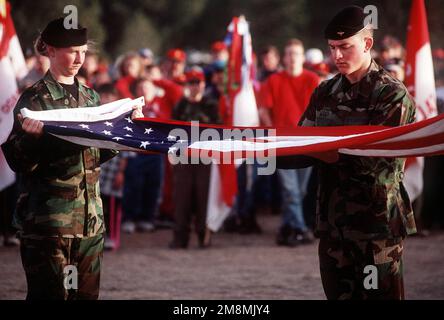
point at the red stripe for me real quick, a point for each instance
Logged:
(409, 144)
(384, 132)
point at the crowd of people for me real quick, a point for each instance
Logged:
(151, 193)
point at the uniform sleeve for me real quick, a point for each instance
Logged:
(23, 151)
(393, 107)
(308, 118)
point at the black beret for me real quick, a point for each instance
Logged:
(56, 35)
(346, 23)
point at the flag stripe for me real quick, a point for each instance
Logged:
(425, 137)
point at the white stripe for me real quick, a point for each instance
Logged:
(273, 142)
(427, 131)
(394, 153)
(101, 113)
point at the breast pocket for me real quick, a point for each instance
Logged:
(326, 117)
(348, 113)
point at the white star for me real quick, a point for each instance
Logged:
(144, 144)
(84, 126)
(108, 124)
(128, 129)
(129, 120)
(106, 132)
(172, 150)
(117, 138)
(128, 135)
(171, 138)
(148, 131)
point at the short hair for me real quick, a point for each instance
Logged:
(124, 62)
(270, 49)
(368, 31)
(133, 86)
(294, 42)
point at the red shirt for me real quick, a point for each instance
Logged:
(288, 96)
(163, 103)
(123, 87)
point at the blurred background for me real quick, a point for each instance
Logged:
(119, 26)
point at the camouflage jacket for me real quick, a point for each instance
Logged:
(58, 180)
(362, 198)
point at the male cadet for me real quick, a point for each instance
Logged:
(363, 210)
(59, 211)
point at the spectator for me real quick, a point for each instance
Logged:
(146, 57)
(111, 181)
(191, 181)
(130, 69)
(40, 67)
(284, 97)
(144, 173)
(174, 65)
(270, 62)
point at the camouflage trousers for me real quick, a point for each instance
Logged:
(44, 262)
(345, 275)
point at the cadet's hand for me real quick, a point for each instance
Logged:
(137, 113)
(31, 126)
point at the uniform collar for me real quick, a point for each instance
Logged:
(58, 92)
(55, 89)
(362, 87)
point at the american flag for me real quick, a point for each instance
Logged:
(110, 126)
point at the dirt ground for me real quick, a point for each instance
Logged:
(236, 267)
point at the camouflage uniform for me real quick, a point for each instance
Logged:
(59, 210)
(363, 210)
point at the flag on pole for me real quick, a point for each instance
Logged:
(12, 68)
(242, 111)
(240, 69)
(420, 82)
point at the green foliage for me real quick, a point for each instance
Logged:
(119, 26)
(138, 33)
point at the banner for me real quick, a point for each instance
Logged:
(12, 68)
(420, 82)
